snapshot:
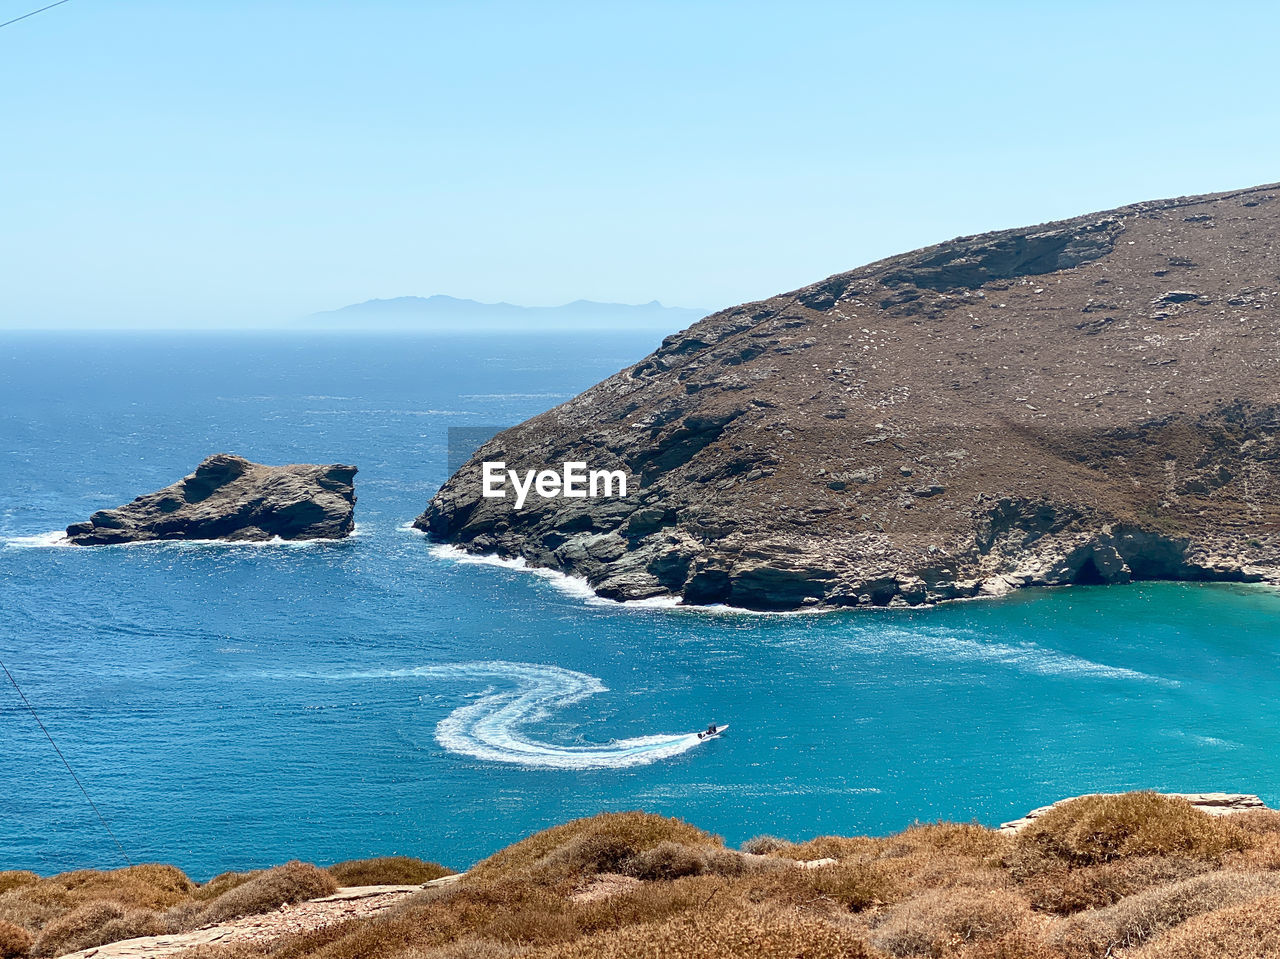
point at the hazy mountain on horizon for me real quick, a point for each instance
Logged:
(440, 311)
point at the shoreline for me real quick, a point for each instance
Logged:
(578, 587)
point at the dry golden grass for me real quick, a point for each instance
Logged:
(1142, 917)
(85, 908)
(94, 924)
(14, 878)
(764, 845)
(1247, 931)
(830, 847)
(292, 882)
(1097, 829)
(953, 839)
(387, 871)
(937, 922)
(132, 896)
(1135, 874)
(15, 941)
(1065, 889)
(584, 847)
(731, 933)
(223, 882)
(1019, 944)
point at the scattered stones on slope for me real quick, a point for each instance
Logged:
(353, 902)
(1089, 401)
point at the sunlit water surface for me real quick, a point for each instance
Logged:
(237, 706)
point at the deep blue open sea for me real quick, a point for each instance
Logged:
(237, 706)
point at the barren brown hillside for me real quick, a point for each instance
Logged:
(1092, 400)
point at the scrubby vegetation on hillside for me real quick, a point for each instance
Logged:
(1138, 875)
(79, 910)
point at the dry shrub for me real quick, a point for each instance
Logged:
(853, 885)
(477, 949)
(34, 905)
(671, 860)
(15, 942)
(944, 856)
(292, 882)
(761, 845)
(937, 921)
(13, 878)
(1065, 889)
(500, 909)
(1096, 829)
(223, 882)
(1247, 931)
(831, 847)
(530, 926)
(387, 871)
(1019, 944)
(1258, 822)
(94, 924)
(149, 886)
(1141, 917)
(135, 891)
(729, 934)
(652, 902)
(602, 843)
(953, 839)
(1262, 827)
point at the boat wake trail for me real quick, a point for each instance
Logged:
(519, 694)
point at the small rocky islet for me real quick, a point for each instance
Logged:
(1093, 400)
(230, 498)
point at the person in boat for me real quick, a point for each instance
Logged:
(710, 731)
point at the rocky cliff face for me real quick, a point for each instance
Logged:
(230, 498)
(1088, 401)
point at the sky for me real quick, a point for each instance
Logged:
(210, 163)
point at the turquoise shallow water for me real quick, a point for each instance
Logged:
(230, 707)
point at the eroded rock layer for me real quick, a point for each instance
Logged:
(1088, 401)
(230, 498)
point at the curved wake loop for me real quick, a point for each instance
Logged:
(491, 727)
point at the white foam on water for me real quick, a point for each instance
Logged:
(58, 539)
(514, 695)
(578, 587)
(1028, 657)
(54, 538)
(574, 586)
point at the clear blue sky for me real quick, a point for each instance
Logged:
(206, 163)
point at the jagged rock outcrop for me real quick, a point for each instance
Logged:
(1090, 401)
(230, 498)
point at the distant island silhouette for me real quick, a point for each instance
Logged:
(446, 312)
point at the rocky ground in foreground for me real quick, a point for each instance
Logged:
(1131, 876)
(230, 498)
(1088, 401)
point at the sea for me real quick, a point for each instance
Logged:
(236, 706)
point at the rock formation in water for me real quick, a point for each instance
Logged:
(1095, 400)
(230, 498)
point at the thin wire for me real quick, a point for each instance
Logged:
(32, 710)
(32, 14)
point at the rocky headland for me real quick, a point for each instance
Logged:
(230, 498)
(1093, 400)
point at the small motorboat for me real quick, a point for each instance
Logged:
(712, 731)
